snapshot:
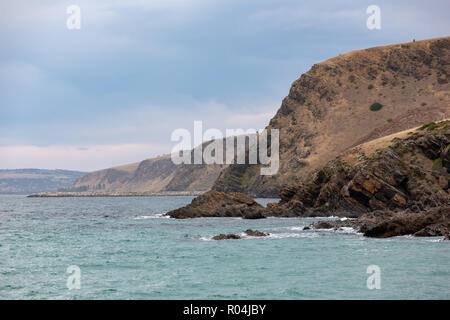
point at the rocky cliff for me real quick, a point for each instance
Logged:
(407, 170)
(348, 100)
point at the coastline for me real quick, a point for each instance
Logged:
(113, 194)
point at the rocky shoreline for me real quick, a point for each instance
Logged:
(392, 186)
(434, 222)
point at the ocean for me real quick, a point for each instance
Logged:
(124, 248)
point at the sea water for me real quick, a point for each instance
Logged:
(125, 248)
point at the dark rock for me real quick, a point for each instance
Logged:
(435, 220)
(385, 223)
(254, 213)
(229, 236)
(433, 230)
(293, 208)
(445, 156)
(255, 233)
(324, 225)
(232, 236)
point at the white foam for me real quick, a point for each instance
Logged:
(437, 240)
(346, 230)
(292, 235)
(296, 228)
(155, 216)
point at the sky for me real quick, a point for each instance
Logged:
(113, 91)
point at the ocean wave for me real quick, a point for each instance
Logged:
(270, 236)
(293, 235)
(347, 230)
(154, 216)
(296, 228)
(341, 230)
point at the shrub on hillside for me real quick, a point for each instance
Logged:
(376, 106)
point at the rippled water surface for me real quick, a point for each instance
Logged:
(126, 250)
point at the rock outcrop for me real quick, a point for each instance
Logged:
(396, 172)
(248, 232)
(255, 233)
(432, 222)
(230, 236)
(219, 204)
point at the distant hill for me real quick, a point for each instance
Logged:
(156, 175)
(27, 181)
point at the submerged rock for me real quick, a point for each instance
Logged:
(255, 233)
(230, 236)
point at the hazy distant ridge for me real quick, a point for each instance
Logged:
(26, 181)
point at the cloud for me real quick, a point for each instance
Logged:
(122, 137)
(139, 69)
(83, 158)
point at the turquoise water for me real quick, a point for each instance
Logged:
(125, 250)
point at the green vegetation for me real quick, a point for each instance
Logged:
(437, 164)
(389, 120)
(249, 173)
(351, 78)
(423, 104)
(376, 106)
(370, 87)
(428, 125)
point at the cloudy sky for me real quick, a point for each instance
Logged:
(113, 91)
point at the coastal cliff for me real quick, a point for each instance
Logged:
(348, 100)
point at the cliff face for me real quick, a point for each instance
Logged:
(407, 170)
(348, 100)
